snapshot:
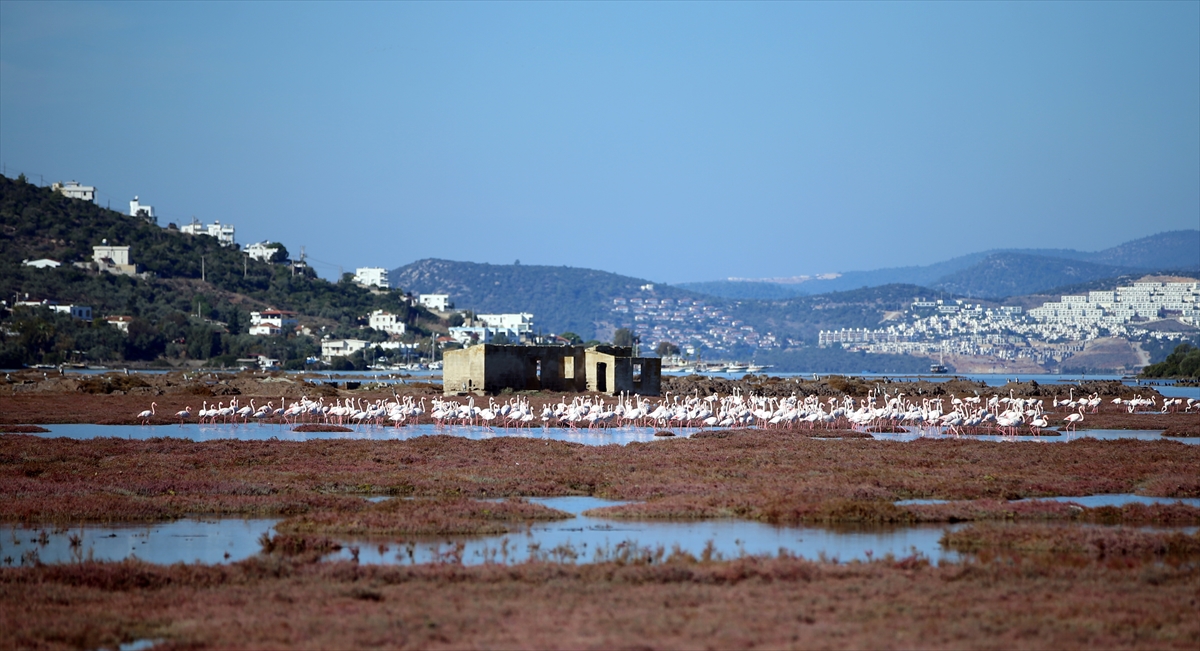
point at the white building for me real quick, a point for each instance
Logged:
(484, 328)
(81, 312)
(261, 251)
(517, 326)
(43, 263)
(113, 259)
(386, 322)
(75, 191)
(272, 322)
(368, 276)
(435, 302)
(137, 209)
(223, 233)
(331, 348)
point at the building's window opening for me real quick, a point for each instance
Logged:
(602, 377)
(637, 373)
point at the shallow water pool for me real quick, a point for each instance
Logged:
(265, 432)
(580, 539)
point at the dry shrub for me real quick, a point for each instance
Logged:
(1095, 542)
(424, 517)
(109, 383)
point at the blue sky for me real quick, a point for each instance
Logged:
(669, 141)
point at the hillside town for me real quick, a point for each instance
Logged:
(1047, 334)
(690, 323)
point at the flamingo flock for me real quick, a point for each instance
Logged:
(1006, 416)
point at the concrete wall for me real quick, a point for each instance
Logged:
(489, 368)
(611, 370)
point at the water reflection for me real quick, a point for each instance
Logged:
(588, 539)
(181, 541)
(596, 436)
(580, 539)
(264, 432)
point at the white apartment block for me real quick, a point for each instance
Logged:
(1142, 301)
(367, 276)
(138, 209)
(223, 233)
(73, 190)
(435, 302)
(260, 251)
(386, 322)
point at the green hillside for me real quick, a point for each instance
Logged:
(174, 309)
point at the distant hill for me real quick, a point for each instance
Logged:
(580, 300)
(560, 298)
(1015, 274)
(986, 274)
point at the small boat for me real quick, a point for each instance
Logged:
(938, 368)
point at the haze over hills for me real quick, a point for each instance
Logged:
(995, 273)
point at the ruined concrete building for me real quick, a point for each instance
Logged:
(489, 368)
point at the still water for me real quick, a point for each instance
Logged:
(587, 539)
(264, 432)
(580, 539)
(597, 436)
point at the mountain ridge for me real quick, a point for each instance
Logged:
(1172, 250)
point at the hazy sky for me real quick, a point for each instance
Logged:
(669, 141)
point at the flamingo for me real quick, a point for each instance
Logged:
(1073, 420)
(185, 414)
(145, 416)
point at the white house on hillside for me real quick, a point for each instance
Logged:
(386, 322)
(272, 322)
(368, 276)
(113, 259)
(261, 251)
(435, 302)
(223, 233)
(73, 190)
(137, 209)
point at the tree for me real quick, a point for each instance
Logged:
(500, 338)
(280, 255)
(571, 337)
(666, 349)
(623, 337)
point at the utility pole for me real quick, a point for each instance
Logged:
(244, 267)
(203, 274)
